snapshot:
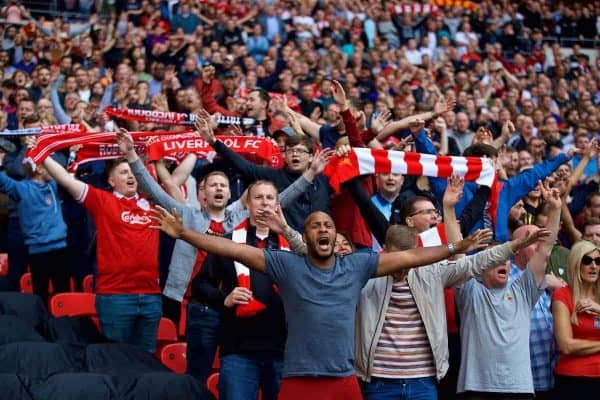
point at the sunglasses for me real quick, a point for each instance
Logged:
(587, 260)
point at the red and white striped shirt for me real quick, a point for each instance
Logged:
(403, 350)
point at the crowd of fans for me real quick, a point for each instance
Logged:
(514, 82)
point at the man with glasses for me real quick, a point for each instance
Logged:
(297, 156)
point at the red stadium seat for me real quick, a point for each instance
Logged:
(173, 356)
(217, 361)
(212, 383)
(3, 264)
(167, 331)
(88, 284)
(183, 318)
(73, 304)
(27, 287)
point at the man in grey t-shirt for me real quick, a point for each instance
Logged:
(495, 323)
(319, 292)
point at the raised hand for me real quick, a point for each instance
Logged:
(205, 131)
(124, 140)
(508, 128)
(320, 160)
(440, 125)
(443, 106)
(551, 196)
(343, 150)
(381, 121)
(529, 239)
(476, 241)
(454, 191)
(207, 74)
(339, 95)
(171, 224)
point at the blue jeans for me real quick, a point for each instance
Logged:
(400, 389)
(202, 325)
(130, 318)
(241, 376)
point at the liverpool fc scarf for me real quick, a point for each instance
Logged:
(62, 128)
(362, 161)
(256, 149)
(254, 306)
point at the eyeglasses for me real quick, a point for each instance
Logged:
(296, 151)
(429, 211)
(587, 260)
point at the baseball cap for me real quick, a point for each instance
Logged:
(287, 130)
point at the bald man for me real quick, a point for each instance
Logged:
(542, 346)
(320, 292)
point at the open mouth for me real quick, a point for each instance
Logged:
(433, 225)
(219, 196)
(295, 162)
(130, 183)
(502, 272)
(323, 243)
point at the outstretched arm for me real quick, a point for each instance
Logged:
(540, 257)
(390, 263)
(172, 225)
(74, 186)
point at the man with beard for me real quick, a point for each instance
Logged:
(319, 292)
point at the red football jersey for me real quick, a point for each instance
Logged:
(126, 248)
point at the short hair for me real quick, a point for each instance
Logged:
(589, 221)
(31, 119)
(214, 173)
(408, 208)
(112, 164)
(588, 199)
(481, 150)
(307, 141)
(262, 94)
(401, 237)
(263, 182)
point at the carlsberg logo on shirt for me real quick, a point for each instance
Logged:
(135, 218)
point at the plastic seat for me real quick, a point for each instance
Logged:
(88, 284)
(73, 304)
(26, 285)
(183, 319)
(212, 383)
(173, 356)
(167, 331)
(3, 264)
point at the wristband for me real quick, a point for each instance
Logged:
(451, 249)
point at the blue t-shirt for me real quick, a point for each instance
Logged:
(320, 305)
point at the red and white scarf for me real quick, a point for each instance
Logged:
(362, 161)
(435, 236)
(254, 306)
(62, 128)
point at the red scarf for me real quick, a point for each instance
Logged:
(256, 149)
(243, 273)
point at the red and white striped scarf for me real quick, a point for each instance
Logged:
(362, 161)
(254, 306)
(435, 236)
(151, 116)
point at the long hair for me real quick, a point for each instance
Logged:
(579, 250)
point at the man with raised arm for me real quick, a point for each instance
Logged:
(319, 292)
(128, 297)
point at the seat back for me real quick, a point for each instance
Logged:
(173, 356)
(73, 305)
(212, 383)
(167, 331)
(3, 264)
(88, 284)
(26, 285)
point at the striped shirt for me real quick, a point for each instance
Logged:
(403, 350)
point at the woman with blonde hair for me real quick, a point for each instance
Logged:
(576, 310)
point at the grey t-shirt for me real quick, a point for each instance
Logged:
(495, 336)
(320, 305)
